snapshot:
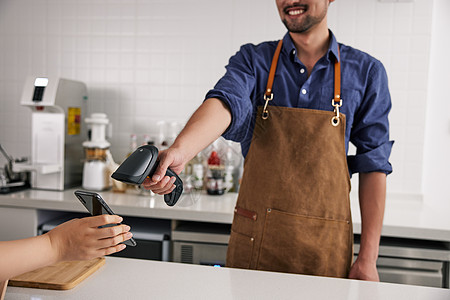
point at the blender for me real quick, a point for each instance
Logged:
(95, 169)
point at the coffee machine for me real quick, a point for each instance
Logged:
(57, 105)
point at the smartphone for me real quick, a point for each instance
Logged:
(95, 204)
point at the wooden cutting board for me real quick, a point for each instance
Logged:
(61, 276)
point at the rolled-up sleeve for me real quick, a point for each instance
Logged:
(370, 131)
(234, 89)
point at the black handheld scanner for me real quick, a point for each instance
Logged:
(142, 163)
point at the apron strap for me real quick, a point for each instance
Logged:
(336, 102)
(268, 95)
(337, 79)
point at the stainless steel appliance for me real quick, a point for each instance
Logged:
(11, 181)
(400, 260)
(57, 105)
(200, 243)
(412, 261)
(151, 235)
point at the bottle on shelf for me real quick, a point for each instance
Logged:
(146, 140)
(198, 171)
(133, 144)
(131, 147)
(215, 175)
(229, 166)
(162, 143)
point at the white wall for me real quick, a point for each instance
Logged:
(436, 181)
(150, 60)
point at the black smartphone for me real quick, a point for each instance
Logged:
(95, 204)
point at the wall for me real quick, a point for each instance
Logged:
(150, 60)
(437, 134)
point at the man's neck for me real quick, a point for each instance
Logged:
(312, 45)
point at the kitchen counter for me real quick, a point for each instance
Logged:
(122, 278)
(217, 209)
(414, 249)
(403, 218)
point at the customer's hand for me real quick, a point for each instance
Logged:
(160, 183)
(82, 239)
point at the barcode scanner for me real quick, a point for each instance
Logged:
(142, 163)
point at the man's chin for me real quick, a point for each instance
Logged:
(295, 28)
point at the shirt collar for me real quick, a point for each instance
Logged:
(289, 47)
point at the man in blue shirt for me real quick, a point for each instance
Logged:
(294, 105)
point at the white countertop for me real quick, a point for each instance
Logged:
(218, 209)
(403, 218)
(122, 278)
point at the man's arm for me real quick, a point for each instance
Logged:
(372, 198)
(207, 123)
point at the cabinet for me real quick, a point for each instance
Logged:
(17, 223)
(200, 243)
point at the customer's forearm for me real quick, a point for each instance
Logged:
(207, 123)
(24, 255)
(372, 197)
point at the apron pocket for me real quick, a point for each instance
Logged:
(304, 244)
(240, 249)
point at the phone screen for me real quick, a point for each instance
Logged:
(93, 204)
(97, 206)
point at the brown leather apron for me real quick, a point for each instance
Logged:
(293, 209)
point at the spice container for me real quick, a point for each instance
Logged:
(215, 179)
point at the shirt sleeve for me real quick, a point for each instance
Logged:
(235, 89)
(370, 131)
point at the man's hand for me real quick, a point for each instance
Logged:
(207, 123)
(364, 270)
(159, 183)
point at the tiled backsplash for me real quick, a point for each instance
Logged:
(150, 60)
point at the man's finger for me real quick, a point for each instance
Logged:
(161, 170)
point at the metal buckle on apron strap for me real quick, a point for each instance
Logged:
(267, 97)
(335, 120)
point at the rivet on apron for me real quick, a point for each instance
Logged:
(269, 210)
(252, 239)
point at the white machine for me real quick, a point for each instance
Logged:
(96, 174)
(57, 105)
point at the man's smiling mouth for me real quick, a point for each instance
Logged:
(295, 10)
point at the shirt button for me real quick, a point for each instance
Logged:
(303, 91)
(302, 70)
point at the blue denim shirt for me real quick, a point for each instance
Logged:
(364, 91)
